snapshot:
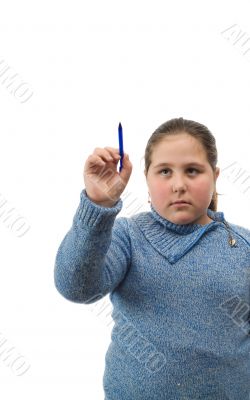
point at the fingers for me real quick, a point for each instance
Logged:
(112, 150)
(107, 153)
(94, 160)
(101, 156)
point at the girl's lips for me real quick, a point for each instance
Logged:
(180, 204)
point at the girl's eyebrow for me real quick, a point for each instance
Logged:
(186, 165)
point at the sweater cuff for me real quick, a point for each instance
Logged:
(94, 215)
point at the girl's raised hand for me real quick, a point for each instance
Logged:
(103, 184)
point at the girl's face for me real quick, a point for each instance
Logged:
(175, 180)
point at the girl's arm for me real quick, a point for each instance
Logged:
(94, 255)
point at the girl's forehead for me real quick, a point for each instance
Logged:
(179, 152)
(179, 144)
(178, 139)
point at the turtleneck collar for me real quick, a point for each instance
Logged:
(174, 240)
(186, 228)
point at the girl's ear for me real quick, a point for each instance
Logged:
(217, 173)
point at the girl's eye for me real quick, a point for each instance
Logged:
(163, 170)
(193, 169)
(189, 169)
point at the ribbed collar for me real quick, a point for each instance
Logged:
(186, 228)
(170, 239)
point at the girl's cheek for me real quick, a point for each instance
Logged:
(203, 189)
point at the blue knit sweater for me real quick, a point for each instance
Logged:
(180, 296)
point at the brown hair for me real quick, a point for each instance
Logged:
(198, 131)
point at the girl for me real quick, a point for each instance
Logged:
(178, 275)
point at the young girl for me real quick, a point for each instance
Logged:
(178, 275)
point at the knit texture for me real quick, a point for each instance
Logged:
(180, 297)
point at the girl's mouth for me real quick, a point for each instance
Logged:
(181, 204)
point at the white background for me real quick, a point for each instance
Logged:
(90, 65)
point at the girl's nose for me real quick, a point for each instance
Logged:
(179, 185)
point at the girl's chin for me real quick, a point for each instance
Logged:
(180, 219)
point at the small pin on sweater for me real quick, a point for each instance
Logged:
(231, 240)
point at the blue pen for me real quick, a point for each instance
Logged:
(120, 137)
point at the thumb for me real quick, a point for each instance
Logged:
(126, 168)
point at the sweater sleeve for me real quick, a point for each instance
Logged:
(94, 255)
